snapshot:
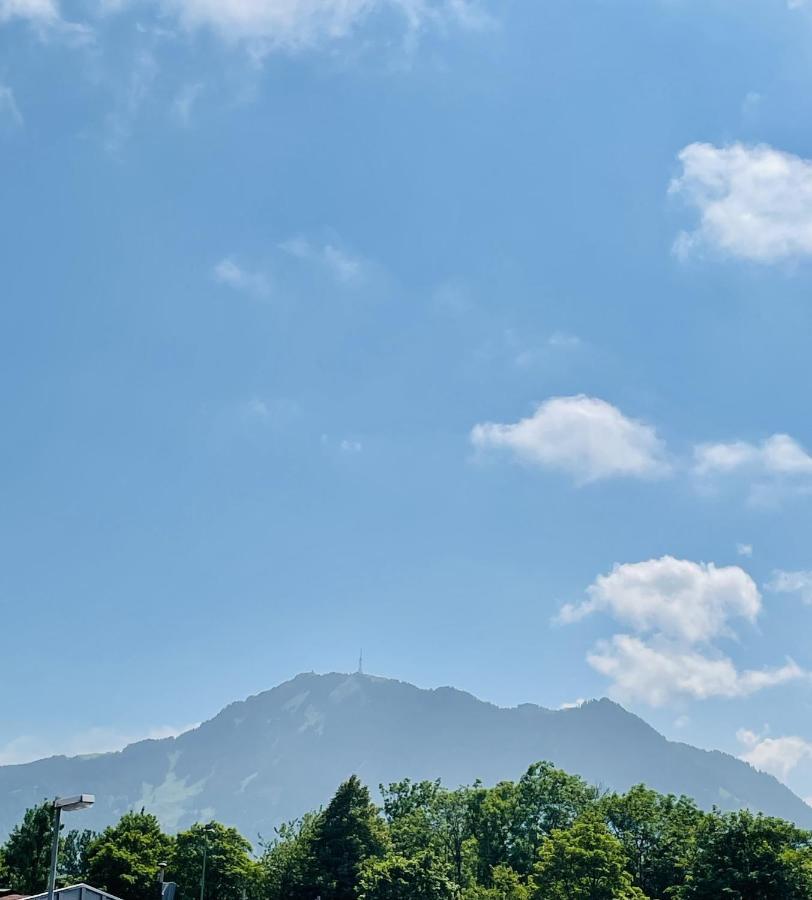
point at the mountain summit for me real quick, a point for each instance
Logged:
(280, 753)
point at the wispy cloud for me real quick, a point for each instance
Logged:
(122, 119)
(779, 756)
(45, 18)
(39, 12)
(184, 102)
(294, 24)
(9, 111)
(231, 274)
(341, 265)
(798, 582)
(97, 739)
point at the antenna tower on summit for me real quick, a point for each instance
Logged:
(361, 663)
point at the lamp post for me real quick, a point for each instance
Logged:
(207, 830)
(63, 804)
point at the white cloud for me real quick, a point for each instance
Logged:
(97, 739)
(778, 756)
(659, 672)
(350, 446)
(754, 202)
(586, 437)
(228, 272)
(573, 704)
(339, 264)
(184, 102)
(45, 18)
(676, 609)
(777, 455)
(744, 549)
(9, 111)
(40, 12)
(799, 583)
(292, 24)
(121, 120)
(685, 600)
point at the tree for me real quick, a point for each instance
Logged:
(73, 855)
(348, 832)
(287, 869)
(584, 862)
(492, 817)
(658, 834)
(124, 858)
(750, 857)
(399, 878)
(27, 853)
(230, 868)
(545, 799)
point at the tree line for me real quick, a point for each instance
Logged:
(547, 836)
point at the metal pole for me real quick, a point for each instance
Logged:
(54, 852)
(203, 873)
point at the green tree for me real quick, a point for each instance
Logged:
(658, 834)
(348, 832)
(410, 809)
(750, 857)
(545, 799)
(492, 814)
(124, 858)
(420, 877)
(506, 885)
(27, 852)
(230, 867)
(287, 869)
(584, 862)
(73, 855)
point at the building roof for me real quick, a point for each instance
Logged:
(73, 892)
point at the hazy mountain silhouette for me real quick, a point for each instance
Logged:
(275, 755)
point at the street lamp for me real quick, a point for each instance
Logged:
(63, 804)
(207, 830)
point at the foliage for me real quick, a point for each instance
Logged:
(287, 868)
(230, 869)
(658, 834)
(124, 858)
(402, 878)
(548, 836)
(73, 851)
(583, 862)
(750, 857)
(27, 852)
(347, 834)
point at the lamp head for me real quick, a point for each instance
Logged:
(70, 804)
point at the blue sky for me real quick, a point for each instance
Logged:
(474, 334)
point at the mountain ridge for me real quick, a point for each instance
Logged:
(280, 752)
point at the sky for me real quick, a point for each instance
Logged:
(474, 334)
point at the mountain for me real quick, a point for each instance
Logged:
(273, 756)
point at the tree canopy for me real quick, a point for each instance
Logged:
(547, 836)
